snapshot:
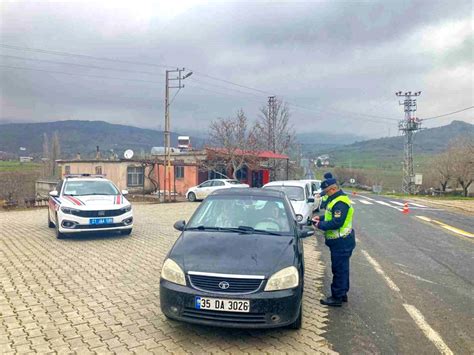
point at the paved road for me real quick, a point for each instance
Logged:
(412, 282)
(100, 294)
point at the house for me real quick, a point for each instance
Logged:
(186, 169)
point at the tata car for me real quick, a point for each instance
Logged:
(201, 191)
(237, 263)
(85, 203)
(300, 195)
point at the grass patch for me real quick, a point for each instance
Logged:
(12, 166)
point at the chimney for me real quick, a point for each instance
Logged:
(78, 156)
(97, 153)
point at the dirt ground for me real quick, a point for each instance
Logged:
(466, 206)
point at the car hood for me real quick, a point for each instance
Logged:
(300, 207)
(233, 253)
(94, 201)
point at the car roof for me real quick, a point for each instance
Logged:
(287, 183)
(311, 180)
(253, 191)
(84, 179)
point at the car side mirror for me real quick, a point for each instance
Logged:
(310, 199)
(54, 193)
(305, 232)
(124, 192)
(179, 225)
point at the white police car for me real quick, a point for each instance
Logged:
(88, 203)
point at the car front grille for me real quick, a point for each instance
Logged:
(234, 285)
(99, 213)
(227, 317)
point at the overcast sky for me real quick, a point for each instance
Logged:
(336, 63)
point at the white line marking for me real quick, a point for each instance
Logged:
(366, 202)
(379, 271)
(383, 203)
(397, 203)
(429, 332)
(416, 204)
(368, 198)
(417, 277)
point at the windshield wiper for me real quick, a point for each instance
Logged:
(202, 228)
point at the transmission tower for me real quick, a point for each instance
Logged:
(409, 126)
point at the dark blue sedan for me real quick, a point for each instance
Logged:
(237, 263)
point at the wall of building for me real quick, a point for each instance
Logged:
(115, 171)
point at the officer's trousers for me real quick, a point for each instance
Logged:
(341, 251)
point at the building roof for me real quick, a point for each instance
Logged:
(265, 154)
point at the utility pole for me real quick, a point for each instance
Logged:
(272, 128)
(167, 132)
(409, 126)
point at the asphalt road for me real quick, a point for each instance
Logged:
(412, 282)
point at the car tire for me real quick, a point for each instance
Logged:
(59, 235)
(192, 197)
(50, 224)
(126, 231)
(297, 324)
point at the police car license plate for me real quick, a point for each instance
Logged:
(225, 305)
(101, 221)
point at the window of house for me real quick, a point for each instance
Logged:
(67, 169)
(179, 172)
(98, 170)
(135, 176)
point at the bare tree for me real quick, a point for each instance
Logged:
(443, 169)
(275, 133)
(232, 143)
(462, 155)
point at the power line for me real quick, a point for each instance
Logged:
(82, 75)
(448, 114)
(83, 56)
(165, 66)
(78, 65)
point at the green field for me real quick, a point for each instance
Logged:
(11, 166)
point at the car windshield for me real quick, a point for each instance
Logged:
(295, 193)
(242, 213)
(89, 187)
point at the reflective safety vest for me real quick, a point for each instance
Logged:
(346, 228)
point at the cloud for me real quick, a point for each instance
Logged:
(327, 59)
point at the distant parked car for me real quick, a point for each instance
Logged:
(201, 191)
(315, 191)
(299, 194)
(85, 203)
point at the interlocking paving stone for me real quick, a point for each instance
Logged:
(100, 293)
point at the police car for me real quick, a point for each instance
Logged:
(88, 203)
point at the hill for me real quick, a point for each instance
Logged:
(81, 136)
(388, 152)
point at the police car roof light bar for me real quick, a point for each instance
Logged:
(84, 175)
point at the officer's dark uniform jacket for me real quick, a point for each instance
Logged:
(339, 213)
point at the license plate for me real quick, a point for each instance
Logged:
(101, 221)
(224, 305)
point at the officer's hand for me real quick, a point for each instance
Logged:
(315, 221)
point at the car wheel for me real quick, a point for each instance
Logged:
(126, 231)
(192, 197)
(50, 224)
(59, 235)
(299, 321)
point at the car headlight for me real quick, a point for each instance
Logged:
(299, 217)
(283, 279)
(126, 209)
(68, 210)
(173, 273)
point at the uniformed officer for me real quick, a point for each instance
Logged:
(324, 197)
(340, 238)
